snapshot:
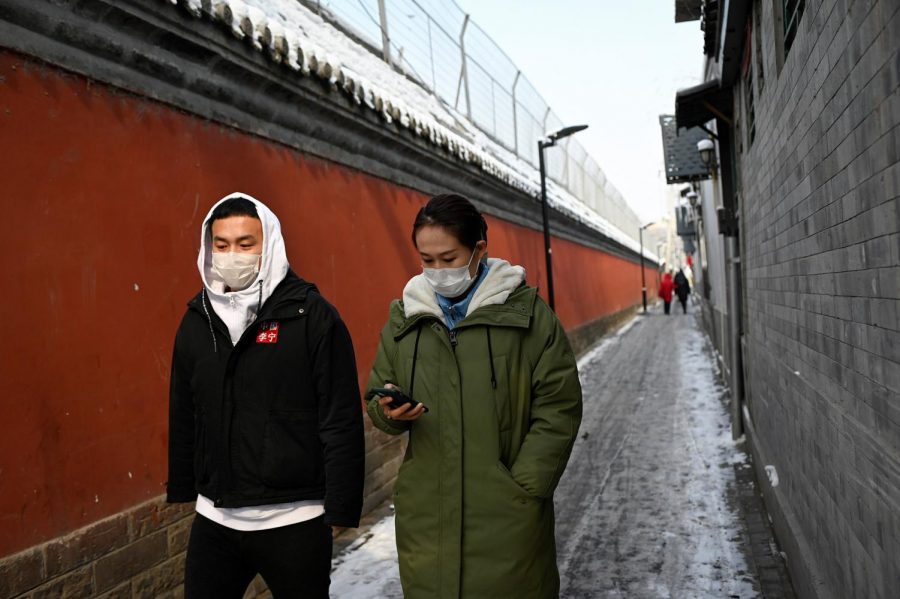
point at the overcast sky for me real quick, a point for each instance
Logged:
(613, 64)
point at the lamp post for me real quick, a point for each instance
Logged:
(545, 212)
(643, 282)
(694, 201)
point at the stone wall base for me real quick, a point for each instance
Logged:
(583, 337)
(136, 553)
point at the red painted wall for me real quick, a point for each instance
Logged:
(103, 197)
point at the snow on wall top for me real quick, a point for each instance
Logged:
(290, 34)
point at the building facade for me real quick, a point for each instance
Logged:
(802, 102)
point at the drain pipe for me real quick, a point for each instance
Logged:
(734, 336)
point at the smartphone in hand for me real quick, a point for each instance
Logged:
(398, 397)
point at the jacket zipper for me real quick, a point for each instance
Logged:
(225, 455)
(454, 341)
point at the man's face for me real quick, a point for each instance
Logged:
(240, 234)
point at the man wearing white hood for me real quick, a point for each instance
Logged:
(265, 420)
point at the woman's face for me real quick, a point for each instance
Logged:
(439, 248)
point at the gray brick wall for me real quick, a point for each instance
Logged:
(820, 225)
(136, 553)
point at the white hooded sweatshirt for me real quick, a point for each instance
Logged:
(238, 309)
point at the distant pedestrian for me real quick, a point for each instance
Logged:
(265, 426)
(682, 289)
(689, 273)
(490, 360)
(666, 287)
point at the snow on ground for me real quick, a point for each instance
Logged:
(597, 352)
(368, 567)
(647, 506)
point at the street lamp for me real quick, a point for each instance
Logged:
(550, 141)
(643, 282)
(707, 150)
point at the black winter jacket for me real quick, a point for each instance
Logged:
(682, 288)
(274, 419)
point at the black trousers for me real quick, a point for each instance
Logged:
(667, 305)
(294, 560)
(683, 301)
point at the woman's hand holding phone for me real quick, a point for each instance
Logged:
(407, 411)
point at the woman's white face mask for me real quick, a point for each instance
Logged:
(450, 282)
(237, 269)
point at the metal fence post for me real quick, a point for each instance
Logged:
(584, 177)
(515, 108)
(544, 132)
(431, 55)
(385, 38)
(463, 71)
(494, 105)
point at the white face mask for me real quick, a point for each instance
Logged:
(237, 269)
(449, 282)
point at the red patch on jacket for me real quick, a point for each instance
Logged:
(268, 333)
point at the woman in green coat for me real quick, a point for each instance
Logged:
(499, 409)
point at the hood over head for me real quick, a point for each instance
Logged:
(239, 308)
(274, 265)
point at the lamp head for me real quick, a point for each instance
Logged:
(566, 132)
(706, 149)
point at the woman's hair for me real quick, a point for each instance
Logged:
(456, 215)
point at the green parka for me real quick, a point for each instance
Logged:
(474, 496)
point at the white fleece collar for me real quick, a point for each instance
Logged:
(501, 280)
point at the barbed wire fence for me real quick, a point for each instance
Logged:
(436, 43)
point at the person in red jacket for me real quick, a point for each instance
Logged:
(665, 290)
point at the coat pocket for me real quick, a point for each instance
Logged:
(515, 491)
(292, 453)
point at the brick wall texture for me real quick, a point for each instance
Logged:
(138, 553)
(820, 223)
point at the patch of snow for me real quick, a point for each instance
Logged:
(772, 475)
(601, 348)
(368, 568)
(195, 7)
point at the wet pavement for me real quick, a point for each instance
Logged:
(657, 500)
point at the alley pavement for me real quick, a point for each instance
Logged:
(657, 500)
